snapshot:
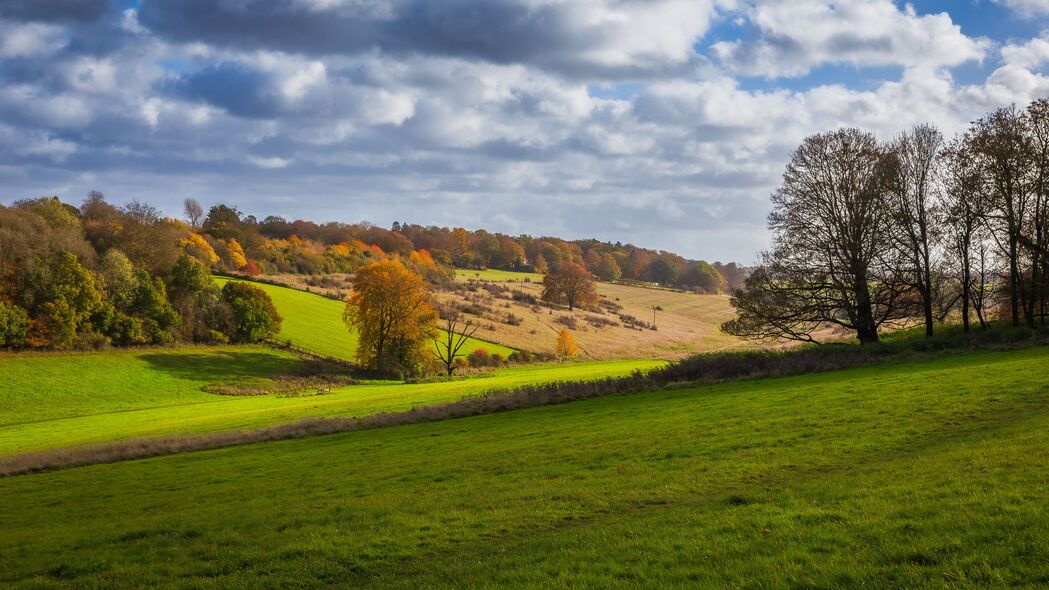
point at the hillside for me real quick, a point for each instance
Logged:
(913, 475)
(315, 322)
(504, 303)
(59, 400)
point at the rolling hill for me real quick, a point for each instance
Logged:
(315, 322)
(928, 473)
(58, 400)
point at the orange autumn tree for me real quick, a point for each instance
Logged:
(566, 346)
(391, 311)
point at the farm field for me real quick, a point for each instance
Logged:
(315, 322)
(925, 474)
(52, 400)
(686, 323)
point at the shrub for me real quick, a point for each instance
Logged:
(254, 316)
(478, 358)
(14, 325)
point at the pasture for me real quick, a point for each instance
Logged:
(315, 322)
(53, 400)
(924, 474)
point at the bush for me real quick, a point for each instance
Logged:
(14, 325)
(254, 317)
(478, 358)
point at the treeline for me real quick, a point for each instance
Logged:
(276, 245)
(97, 275)
(869, 234)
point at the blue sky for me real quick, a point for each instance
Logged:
(664, 123)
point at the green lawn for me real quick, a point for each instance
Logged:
(315, 322)
(929, 474)
(57, 400)
(491, 274)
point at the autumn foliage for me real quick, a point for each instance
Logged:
(570, 285)
(391, 311)
(566, 346)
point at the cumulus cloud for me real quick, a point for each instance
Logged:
(1027, 8)
(794, 37)
(493, 114)
(584, 37)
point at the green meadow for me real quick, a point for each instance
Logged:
(930, 473)
(315, 322)
(51, 400)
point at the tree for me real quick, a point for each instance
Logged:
(833, 260)
(566, 346)
(456, 334)
(572, 285)
(960, 201)
(254, 317)
(707, 278)
(662, 271)
(14, 325)
(1000, 141)
(193, 211)
(391, 311)
(913, 157)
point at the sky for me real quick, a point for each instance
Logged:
(663, 123)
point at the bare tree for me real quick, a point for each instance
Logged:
(1038, 242)
(1001, 141)
(456, 334)
(833, 260)
(194, 212)
(960, 201)
(913, 156)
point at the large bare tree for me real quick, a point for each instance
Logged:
(834, 260)
(1001, 140)
(960, 201)
(913, 155)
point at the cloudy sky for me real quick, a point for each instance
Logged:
(665, 123)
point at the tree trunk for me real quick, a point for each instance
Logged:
(966, 288)
(1014, 282)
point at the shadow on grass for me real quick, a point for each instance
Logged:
(222, 365)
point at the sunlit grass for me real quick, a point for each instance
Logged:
(925, 474)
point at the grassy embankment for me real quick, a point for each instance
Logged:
(52, 400)
(926, 473)
(315, 322)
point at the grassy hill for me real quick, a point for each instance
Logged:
(315, 322)
(686, 323)
(930, 473)
(57, 400)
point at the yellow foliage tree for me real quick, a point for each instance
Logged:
(236, 254)
(391, 311)
(566, 347)
(196, 246)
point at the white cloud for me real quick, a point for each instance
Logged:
(1027, 8)
(799, 35)
(30, 39)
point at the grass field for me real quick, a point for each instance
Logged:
(927, 474)
(315, 322)
(502, 276)
(58, 400)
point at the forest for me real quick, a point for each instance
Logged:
(97, 274)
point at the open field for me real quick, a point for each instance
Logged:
(492, 274)
(686, 323)
(57, 400)
(924, 474)
(315, 322)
